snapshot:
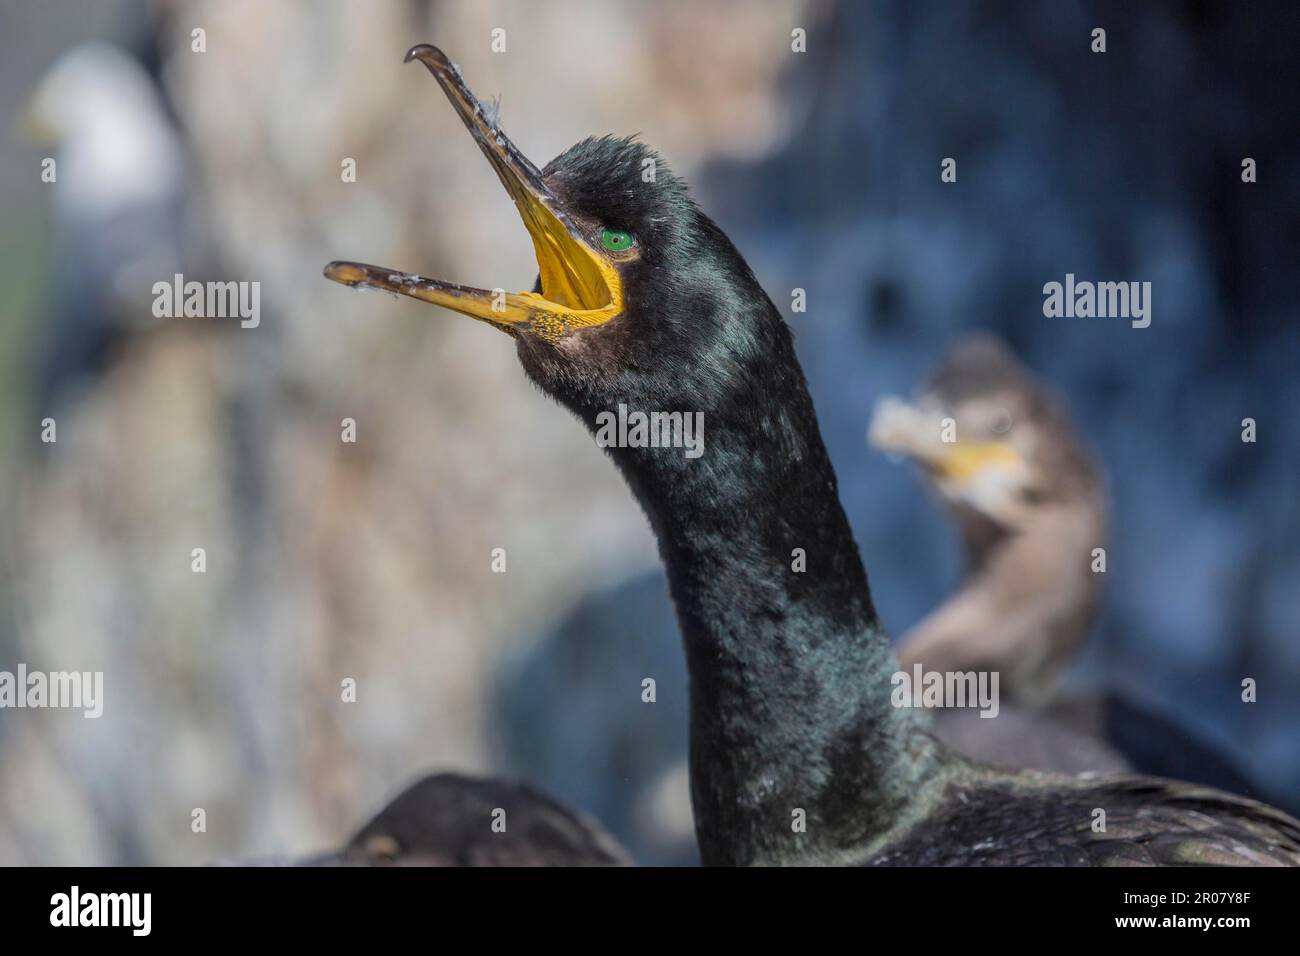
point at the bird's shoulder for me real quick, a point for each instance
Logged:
(1033, 819)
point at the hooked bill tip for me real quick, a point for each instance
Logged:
(345, 272)
(428, 54)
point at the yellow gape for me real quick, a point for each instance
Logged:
(581, 286)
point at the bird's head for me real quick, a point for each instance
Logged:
(633, 277)
(991, 440)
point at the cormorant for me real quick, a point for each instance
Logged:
(1029, 499)
(450, 820)
(1002, 456)
(798, 755)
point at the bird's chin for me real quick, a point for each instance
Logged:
(556, 366)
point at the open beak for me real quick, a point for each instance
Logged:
(580, 286)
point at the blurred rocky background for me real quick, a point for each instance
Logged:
(371, 560)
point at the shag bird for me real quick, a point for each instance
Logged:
(797, 754)
(449, 820)
(1023, 490)
(1029, 499)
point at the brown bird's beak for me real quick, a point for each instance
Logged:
(580, 285)
(899, 428)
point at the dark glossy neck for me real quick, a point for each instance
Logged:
(790, 669)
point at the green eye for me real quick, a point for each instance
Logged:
(616, 241)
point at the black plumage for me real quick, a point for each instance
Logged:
(451, 820)
(1037, 820)
(797, 754)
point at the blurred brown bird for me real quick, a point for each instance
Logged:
(1007, 463)
(1030, 502)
